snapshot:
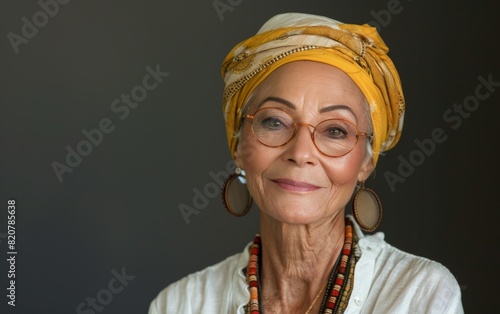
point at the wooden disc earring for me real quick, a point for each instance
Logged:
(367, 208)
(235, 195)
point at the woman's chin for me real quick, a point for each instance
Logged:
(294, 215)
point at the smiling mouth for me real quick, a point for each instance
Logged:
(296, 186)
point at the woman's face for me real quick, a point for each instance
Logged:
(296, 183)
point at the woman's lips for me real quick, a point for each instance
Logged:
(297, 186)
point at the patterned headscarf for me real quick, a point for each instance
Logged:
(357, 50)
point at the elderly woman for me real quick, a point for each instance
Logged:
(310, 103)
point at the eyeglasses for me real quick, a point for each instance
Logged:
(274, 127)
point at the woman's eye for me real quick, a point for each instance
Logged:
(272, 123)
(336, 133)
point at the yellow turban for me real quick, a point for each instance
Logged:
(357, 50)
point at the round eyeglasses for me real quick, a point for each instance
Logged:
(274, 127)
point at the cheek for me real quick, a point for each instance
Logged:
(254, 165)
(253, 156)
(345, 170)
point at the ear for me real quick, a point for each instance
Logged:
(366, 169)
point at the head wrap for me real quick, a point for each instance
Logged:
(357, 50)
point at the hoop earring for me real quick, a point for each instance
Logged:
(235, 196)
(367, 208)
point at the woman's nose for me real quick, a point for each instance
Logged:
(301, 148)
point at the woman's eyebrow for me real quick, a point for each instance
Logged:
(322, 110)
(277, 99)
(338, 107)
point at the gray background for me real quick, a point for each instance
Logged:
(119, 207)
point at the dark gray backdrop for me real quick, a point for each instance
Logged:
(117, 211)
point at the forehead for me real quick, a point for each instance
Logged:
(311, 86)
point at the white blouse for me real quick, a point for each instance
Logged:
(386, 280)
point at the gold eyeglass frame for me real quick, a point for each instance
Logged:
(298, 125)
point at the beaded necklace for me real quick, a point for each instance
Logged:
(339, 285)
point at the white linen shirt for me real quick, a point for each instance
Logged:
(386, 280)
